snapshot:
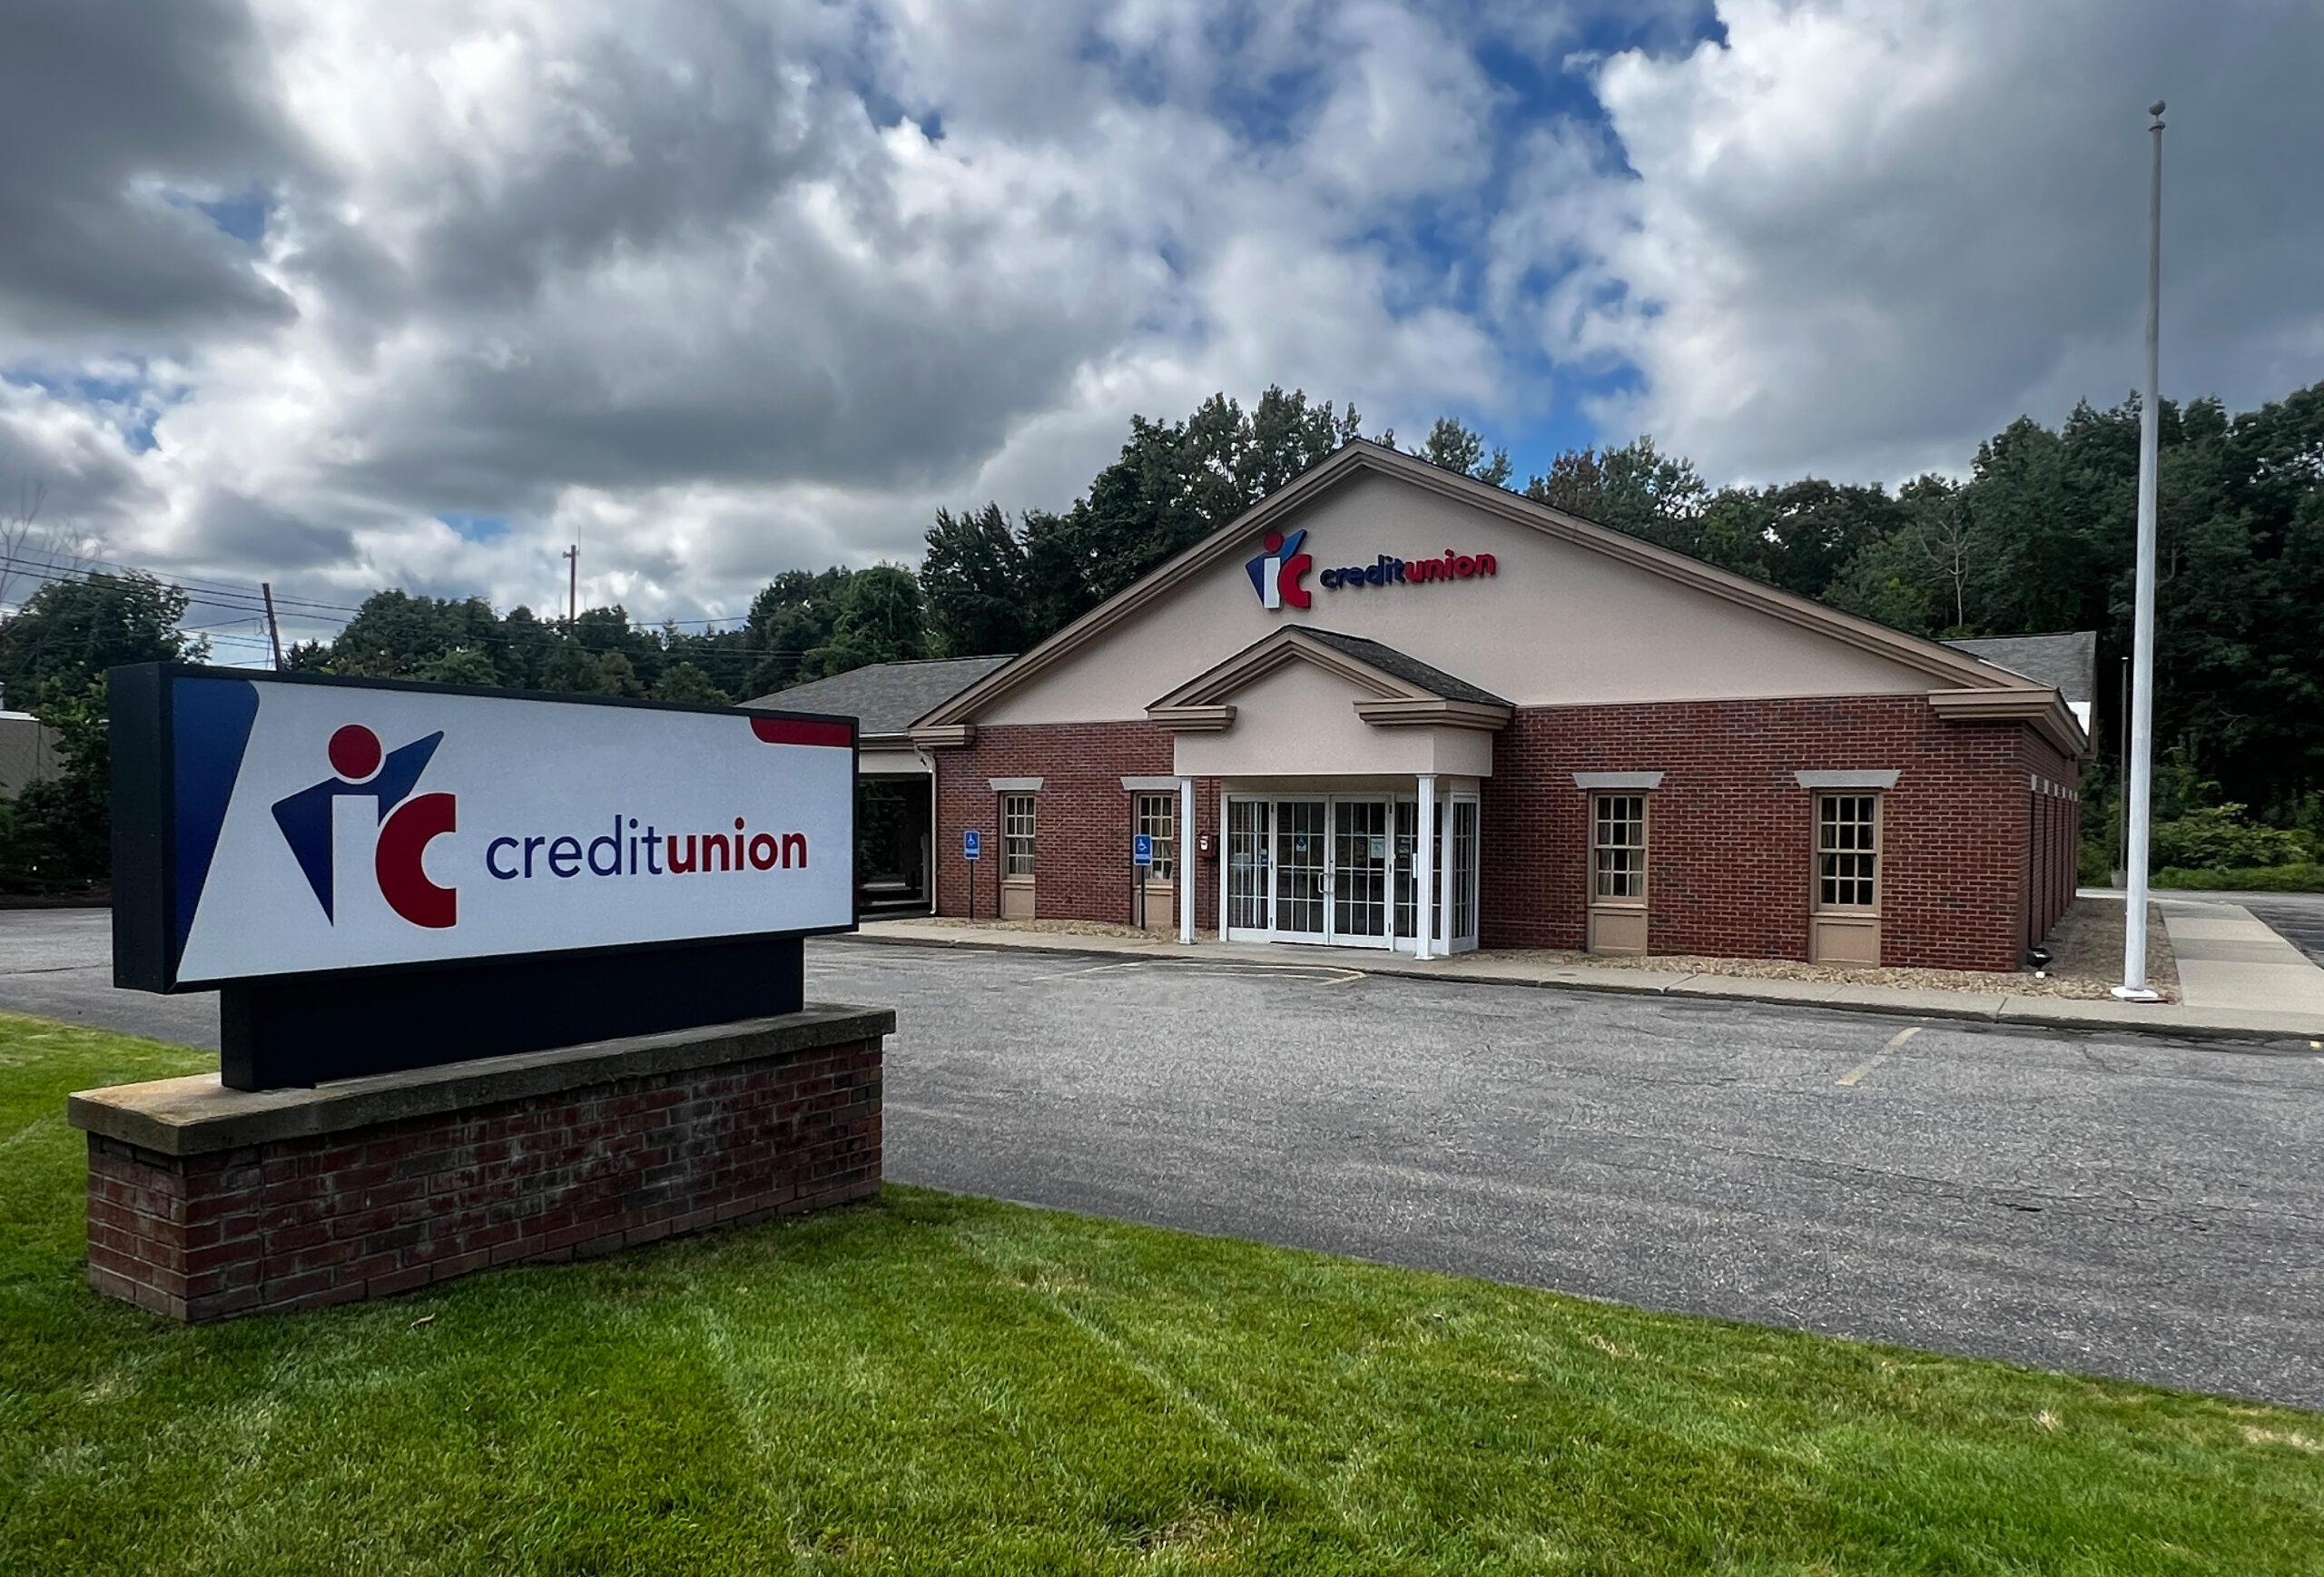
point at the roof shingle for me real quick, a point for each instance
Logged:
(884, 698)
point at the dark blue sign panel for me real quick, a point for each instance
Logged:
(971, 844)
(1141, 850)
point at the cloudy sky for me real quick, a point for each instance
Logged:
(345, 296)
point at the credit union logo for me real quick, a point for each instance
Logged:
(361, 770)
(1276, 572)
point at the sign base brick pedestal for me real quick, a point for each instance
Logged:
(206, 1203)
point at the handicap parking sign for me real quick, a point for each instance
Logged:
(971, 844)
(1141, 850)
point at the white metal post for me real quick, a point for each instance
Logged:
(1187, 861)
(1444, 871)
(2142, 722)
(1225, 864)
(1424, 866)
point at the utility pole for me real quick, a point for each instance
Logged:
(2134, 987)
(572, 556)
(273, 628)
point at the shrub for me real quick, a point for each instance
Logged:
(2224, 838)
(2096, 867)
(2302, 878)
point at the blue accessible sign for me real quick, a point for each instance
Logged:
(1141, 849)
(971, 844)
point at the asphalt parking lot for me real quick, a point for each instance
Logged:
(2123, 1206)
(2297, 917)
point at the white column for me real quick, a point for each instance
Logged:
(1424, 865)
(1444, 874)
(1187, 861)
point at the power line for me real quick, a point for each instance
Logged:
(248, 605)
(190, 584)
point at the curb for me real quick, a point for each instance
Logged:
(1684, 986)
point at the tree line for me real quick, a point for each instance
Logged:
(2037, 536)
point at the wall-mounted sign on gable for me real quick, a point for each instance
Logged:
(1279, 570)
(1388, 570)
(1276, 572)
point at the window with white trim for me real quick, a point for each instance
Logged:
(1017, 834)
(1617, 848)
(1158, 818)
(1847, 851)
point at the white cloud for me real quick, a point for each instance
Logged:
(1862, 235)
(720, 290)
(678, 282)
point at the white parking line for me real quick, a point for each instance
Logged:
(1850, 1077)
(1071, 974)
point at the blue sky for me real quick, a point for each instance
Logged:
(347, 296)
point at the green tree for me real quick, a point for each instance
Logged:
(684, 682)
(69, 632)
(1635, 488)
(57, 834)
(881, 619)
(616, 675)
(53, 654)
(394, 635)
(992, 588)
(573, 669)
(1452, 446)
(791, 617)
(976, 580)
(460, 665)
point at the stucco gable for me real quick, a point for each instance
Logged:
(1553, 611)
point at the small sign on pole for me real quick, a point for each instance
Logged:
(971, 844)
(1141, 849)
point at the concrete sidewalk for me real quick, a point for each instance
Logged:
(2230, 959)
(2259, 1006)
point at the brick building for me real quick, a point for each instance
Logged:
(1392, 706)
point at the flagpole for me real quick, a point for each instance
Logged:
(2134, 987)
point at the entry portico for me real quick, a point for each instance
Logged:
(1394, 707)
(1340, 762)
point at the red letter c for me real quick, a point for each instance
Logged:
(1295, 568)
(402, 844)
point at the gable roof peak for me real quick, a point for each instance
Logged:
(1949, 668)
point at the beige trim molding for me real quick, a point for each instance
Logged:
(947, 736)
(1290, 643)
(1434, 712)
(1939, 662)
(1200, 705)
(1617, 780)
(1191, 719)
(1150, 786)
(1864, 778)
(1014, 785)
(2038, 704)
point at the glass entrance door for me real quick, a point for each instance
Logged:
(1359, 877)
(1344, 870)
(1246, 864)
(1299, 868)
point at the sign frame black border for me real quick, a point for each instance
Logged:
(141, 736)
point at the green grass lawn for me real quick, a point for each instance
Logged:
(942, 1384)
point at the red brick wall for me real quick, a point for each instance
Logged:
(300, 1223)
(2054, 850)
(1731, 839)
(1083, 819)
(1731, 832)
